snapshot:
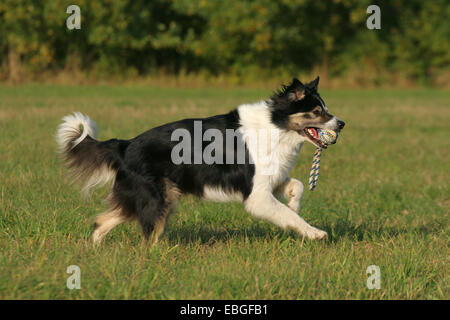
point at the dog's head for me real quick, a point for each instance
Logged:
(299, 107)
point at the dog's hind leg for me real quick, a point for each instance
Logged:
(158, 228)
(156, 209)
(292, 190)
(105, 222)
(153, 218)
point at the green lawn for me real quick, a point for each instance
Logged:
(383, 197)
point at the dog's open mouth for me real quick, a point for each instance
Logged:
(313, 136)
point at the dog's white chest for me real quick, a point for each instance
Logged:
(272, 150)
(285, 154)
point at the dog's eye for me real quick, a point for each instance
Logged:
(317, 112)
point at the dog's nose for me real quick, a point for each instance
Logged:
(341, 124)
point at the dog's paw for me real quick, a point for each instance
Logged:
(314, 233)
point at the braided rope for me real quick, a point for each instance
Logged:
(314, 174)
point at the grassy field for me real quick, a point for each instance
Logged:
(383, 197)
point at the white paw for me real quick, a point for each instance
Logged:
(314, 233)
(97, 237)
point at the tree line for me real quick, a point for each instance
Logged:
(226, 37)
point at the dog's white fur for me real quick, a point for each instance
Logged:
(81, 126)
(262, 202)
(75, 125)
(218, 195)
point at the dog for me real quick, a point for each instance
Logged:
(147, 181)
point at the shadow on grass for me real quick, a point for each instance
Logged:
(370, 231)
(208, 235)
(338, 230)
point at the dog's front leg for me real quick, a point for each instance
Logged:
(264, 205)
(292, 190)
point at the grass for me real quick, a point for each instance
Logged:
(383, 197)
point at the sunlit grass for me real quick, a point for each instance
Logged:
(383, 197)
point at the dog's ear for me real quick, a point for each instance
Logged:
(296, 90)
(296, 82)
(314, 84)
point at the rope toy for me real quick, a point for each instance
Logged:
(314, 174)
(325, 137)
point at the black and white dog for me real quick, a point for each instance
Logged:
(148, 179)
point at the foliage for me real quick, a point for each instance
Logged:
(226, 37)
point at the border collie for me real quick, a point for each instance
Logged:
(147, 182)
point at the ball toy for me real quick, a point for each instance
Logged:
(327, 136)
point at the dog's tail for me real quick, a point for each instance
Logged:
(91, 162)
